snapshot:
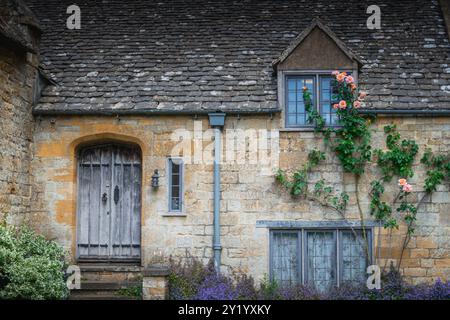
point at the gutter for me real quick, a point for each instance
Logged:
(268, 111)
(405, 113)
(217, 121)
(147, 112)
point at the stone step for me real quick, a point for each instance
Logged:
(101, 290)
(104, 286)
(99, 295)
(110, 272)
(106, 281)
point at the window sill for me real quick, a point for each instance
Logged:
(305, 129)
(174, 214)
(328, 224)
(302, 129)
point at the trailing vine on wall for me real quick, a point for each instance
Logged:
(438, 169)
(351, 143)
(322, 193)
(396, 161)
(399, 158)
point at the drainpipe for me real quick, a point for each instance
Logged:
(217, 121)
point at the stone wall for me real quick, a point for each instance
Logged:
(249, 194)
(17, 76)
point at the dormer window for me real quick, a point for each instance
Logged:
(308, 62)
(322, 93)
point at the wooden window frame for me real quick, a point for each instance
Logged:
(302, 255)
(170, 162)
(283, 92)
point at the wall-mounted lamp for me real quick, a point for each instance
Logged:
(155, 179)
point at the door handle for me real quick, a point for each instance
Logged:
(116, 194)
(104, 197)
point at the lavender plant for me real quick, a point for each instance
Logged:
(193, 280)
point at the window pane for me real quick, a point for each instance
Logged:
(354, 262)
(326, 108)
(321, 259)
(292, 97)
(285, 257)
(300, 107)
(175, 192)
(175, 179)
(292, 107)
(309, 83)
(175, 167)
(295, 104)
(175, 204)
(175, 188)
(291, 84)
(292, 119)
(327, 100)
(334, 118)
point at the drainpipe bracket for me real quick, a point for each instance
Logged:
(217, 119)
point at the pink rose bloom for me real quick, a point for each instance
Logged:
(402, 182)
(407, 188)
(335, 106)
(340, 77)
(349, 79)
(342, 104)
(362, 95)
(335, 73)
(357, 104)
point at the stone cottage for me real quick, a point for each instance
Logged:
(156, 129)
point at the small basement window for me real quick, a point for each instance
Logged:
(175, 184)
(321, 258)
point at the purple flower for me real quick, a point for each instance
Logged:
(438, 291)
(216, 287)
(194, 280)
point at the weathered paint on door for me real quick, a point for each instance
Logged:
(109, 203)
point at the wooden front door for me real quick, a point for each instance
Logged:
(109, 203)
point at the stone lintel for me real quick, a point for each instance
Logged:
(314, 224)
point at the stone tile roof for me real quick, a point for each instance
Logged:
(204, 55)
(14, 17)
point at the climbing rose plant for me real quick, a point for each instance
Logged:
(351, 143)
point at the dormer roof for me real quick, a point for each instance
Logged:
(319, 26)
